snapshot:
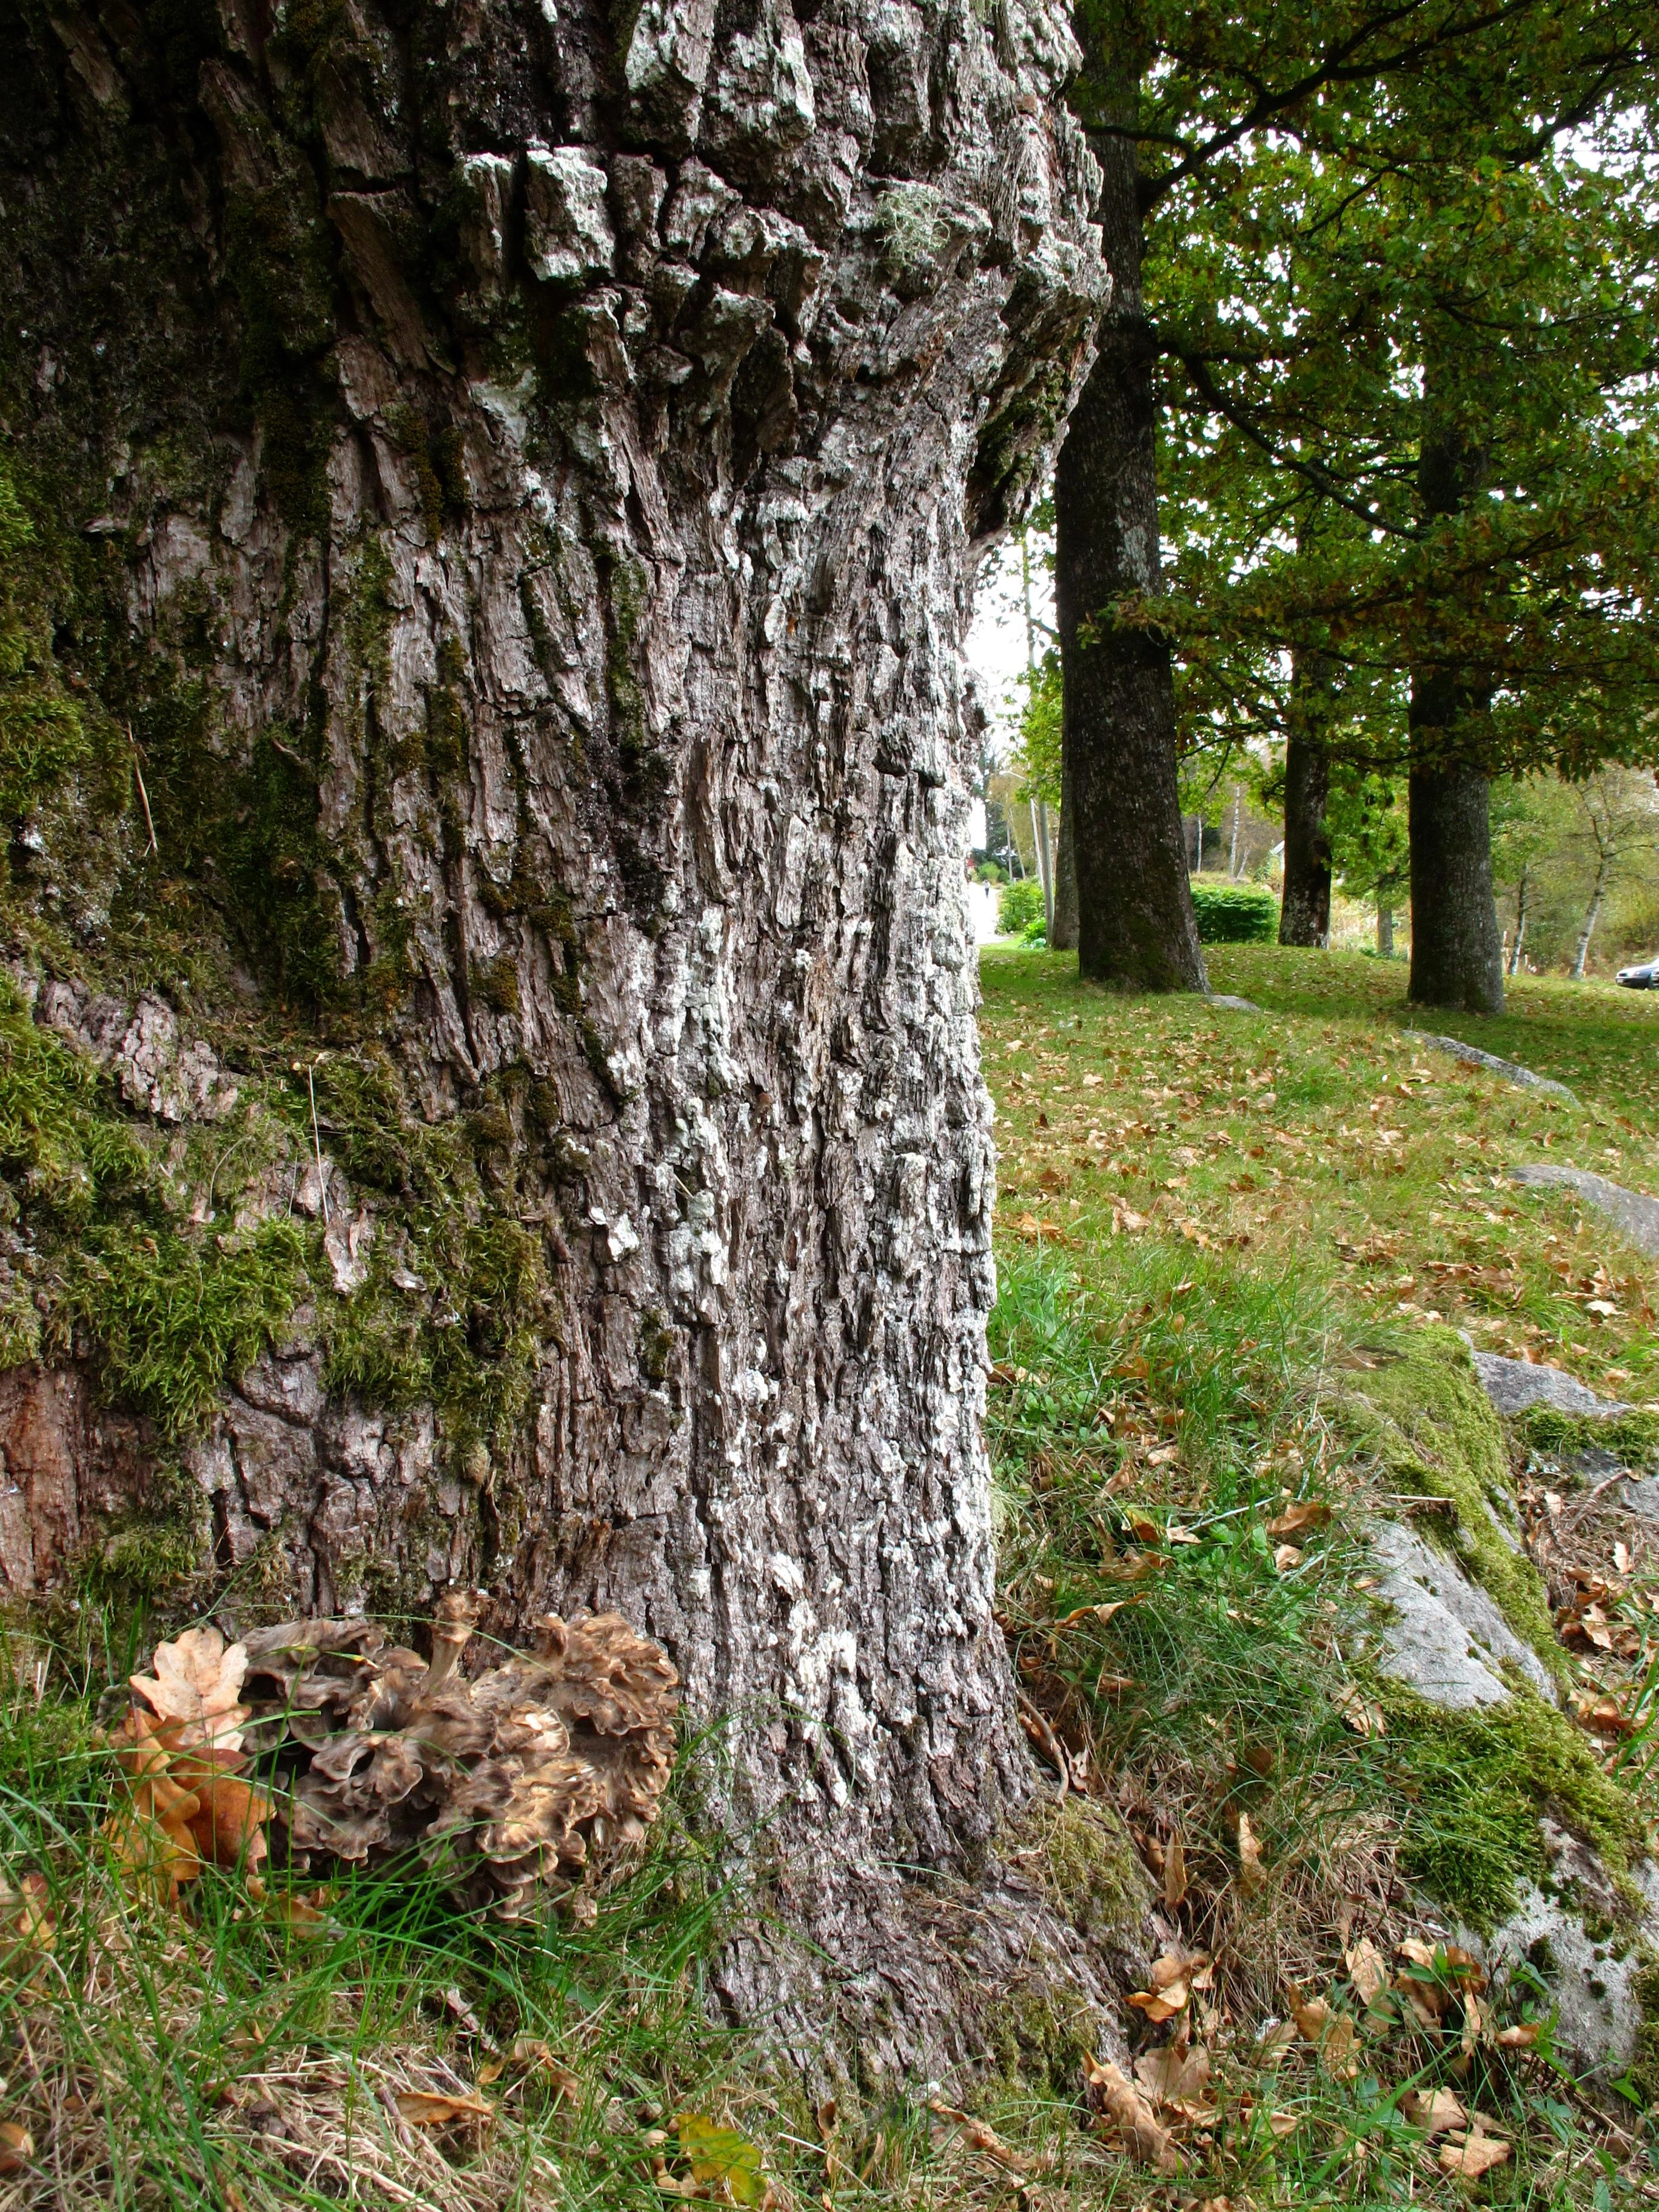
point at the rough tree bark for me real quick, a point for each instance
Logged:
(544, 449)
(1457, 948)
(1135, 924)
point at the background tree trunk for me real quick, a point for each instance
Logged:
(1457, 947)
(1305, 913)
(531, 480)
(1063, 936)
(1135, 923)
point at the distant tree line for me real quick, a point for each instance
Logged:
(1365, 479)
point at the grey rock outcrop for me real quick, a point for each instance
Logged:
(1447, 1639)
(1632, 1212)
(1513, 1385)
(1510, 1069)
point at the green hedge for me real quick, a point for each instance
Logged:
(1020, 905)
(1235, 914)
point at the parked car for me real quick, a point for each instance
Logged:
(1644, 977)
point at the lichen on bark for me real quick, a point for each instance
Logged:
(518, 475)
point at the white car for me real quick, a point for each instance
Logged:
(1643, 978)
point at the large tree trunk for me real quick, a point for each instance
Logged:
(531, 472)
(1135, 924)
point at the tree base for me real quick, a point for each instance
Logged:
(866, 1983)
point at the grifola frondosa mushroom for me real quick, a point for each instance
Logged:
(526, 1780)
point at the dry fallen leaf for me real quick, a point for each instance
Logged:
(1178, 2073)
(28, 1929)
(1124, 2110)
(1286, 1555)
(16, 2146)
(1175, 1873)
(198, 1682)
(1368, 1971)
(1434, 2110)
(1160, 2005)
(230, 1824)
(426, 2108)
(1251, 1872)
(1522, 2036)
(1362, 1715)
(1331, 2032)
(985, 2138)
(1091, 1613)
(721, 2155)
(1310, 1513)
(1473, 2154)
(153, 1861)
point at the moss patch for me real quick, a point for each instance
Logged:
(1473, 1785)
(1424, 1418)
(1633, 1437)
(448, 1190)
(1088, 1867)
(169, 1309)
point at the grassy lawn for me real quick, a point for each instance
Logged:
(1324, 1151)
(1599, 1041)
(1213, 1227)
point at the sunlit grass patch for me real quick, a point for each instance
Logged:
(1215, 1230)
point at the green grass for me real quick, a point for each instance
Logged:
(1227, 1245)
(1601, 1041)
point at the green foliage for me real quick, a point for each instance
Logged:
(1234, 914)
(1365, 822)
(1019, 905)
(1039, 743)
(1401, 283)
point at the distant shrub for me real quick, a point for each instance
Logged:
(1235, 914)
(1020, 905)
(1035, 933)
